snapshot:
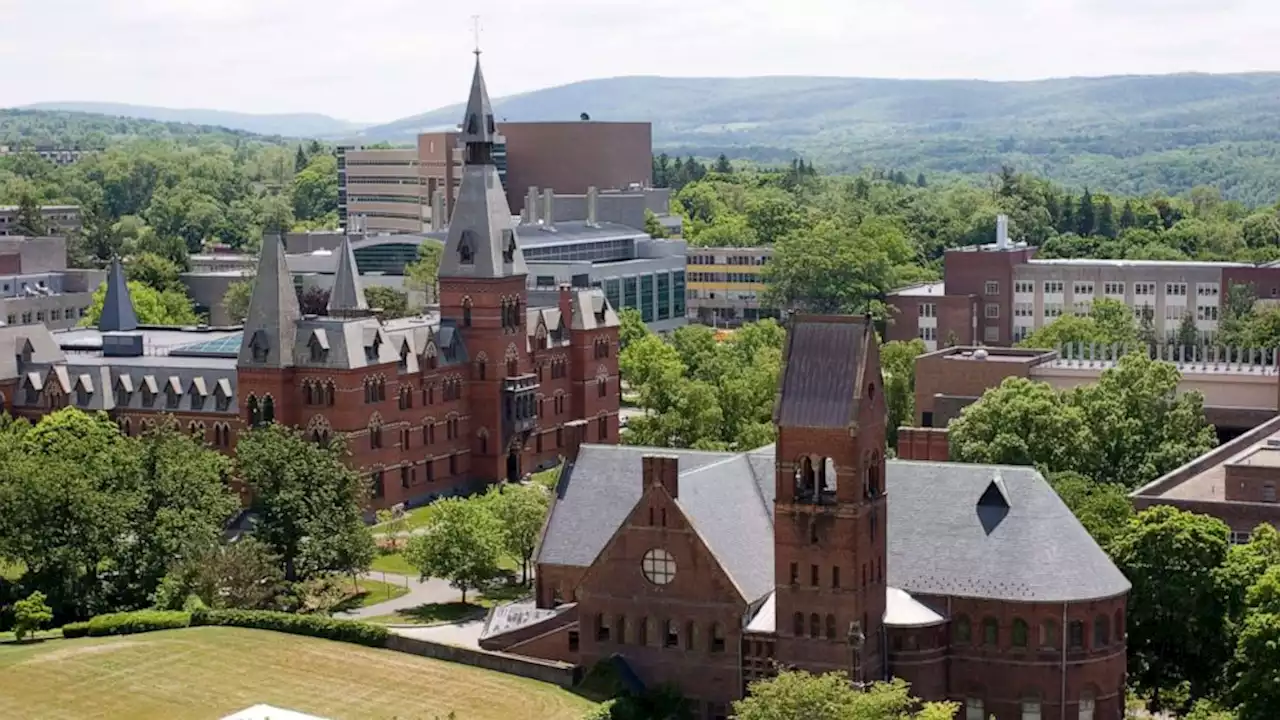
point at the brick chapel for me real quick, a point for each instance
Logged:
(708, 570)
(477, 390)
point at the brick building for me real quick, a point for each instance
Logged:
(997, 294)
(476, 391)
(708, 570)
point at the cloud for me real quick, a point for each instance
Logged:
(382, 59)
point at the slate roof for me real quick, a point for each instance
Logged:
(823, 363)
(117, 307)
(347, 296)
(273, 310)
(939, 541)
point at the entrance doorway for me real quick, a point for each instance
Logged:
(513, 466)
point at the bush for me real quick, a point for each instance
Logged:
(30, 615)
(141, 621)
(314, 625)
(75, 629)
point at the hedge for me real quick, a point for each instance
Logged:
(351, 631)
(127, 623)
(75, 629)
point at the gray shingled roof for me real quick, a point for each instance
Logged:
(117, 307)
(347, 297)
(939, 540)
(819, 386)
(273, 310)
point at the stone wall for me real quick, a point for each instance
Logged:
(557, 673)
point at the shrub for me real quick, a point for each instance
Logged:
(75, 629)
(141, 621)
(30, 615)
(314, 625)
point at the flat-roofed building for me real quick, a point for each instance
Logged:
(726, 286)
(60, 219)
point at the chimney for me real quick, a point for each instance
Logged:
(531, 205)
(437, 210)
(592, 197)
(1002, 232)
(662, 470)
(549, 209)
(566, 304)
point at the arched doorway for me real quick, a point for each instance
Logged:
(513, 465)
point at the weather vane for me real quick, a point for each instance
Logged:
(475, 29)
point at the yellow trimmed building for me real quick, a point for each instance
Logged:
(725, 286)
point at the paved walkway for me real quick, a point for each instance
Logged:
(463, 634)
(420, 592)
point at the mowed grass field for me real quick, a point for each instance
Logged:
(211, 672)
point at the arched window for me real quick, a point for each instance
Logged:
(831, 627)
(642, 631)
(1019, 633)
(466, 312)
(268, 410)
(1088, 704)
(255, 414)
(513, 367)
(815, 625)
(1048, 634)
(963, 631)
(873, 476)
(602, 386)
(717, 638)
(828, 476)
(1031, 707)
(1101, 631)
(990, 632)
(1075, 635)
(467, 248)
(479, 369)
(797, 625)
(804, 478)
(375, 432)
(473, 124)
(974, 709)
(1120, 624)
(620, 625)
(484, 442)
(127, 425)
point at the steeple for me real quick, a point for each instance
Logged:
(270, 330)
(482, 242)
(346, 299)
(117, 307)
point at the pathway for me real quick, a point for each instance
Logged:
(421, 592)
(463, 634)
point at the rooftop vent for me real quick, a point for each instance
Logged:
(1273, 442)
(980, 354)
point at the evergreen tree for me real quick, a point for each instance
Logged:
(1188, 336)
(662, 171)
(1067, 219)
(299, 160)
(1106, 218)
(28, 221)
(920, 181)
(1086, 216)
(314, 149)
(1053, 206)
(723, 166)
(1128, 218)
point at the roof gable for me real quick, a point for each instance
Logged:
(822, 365)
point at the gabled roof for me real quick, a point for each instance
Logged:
(822, 364)
(346, 298)
(591, 310)
(273, 314)
(117, 307)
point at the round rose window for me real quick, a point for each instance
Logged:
(659, 567)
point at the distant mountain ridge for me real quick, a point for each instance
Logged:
(300, 125)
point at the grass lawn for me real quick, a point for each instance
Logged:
(371, 592)
(435, 613)
(212, 672)
(393, 563)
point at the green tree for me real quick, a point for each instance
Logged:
(1021, 422)
(631, 327)
(652, 227)
(835, 268)
(1176, 619)
(1257, 652)
(28, 221)
(423, 274)
(462, 543)
(30, 615)
(723, 166)
(300, 161)
(153, 307)
(236, 299)
(1103, 509)
(795, 694)
(155, 271)
(1086, 215)
(898, 365)
(242, 575)
(392, 521)
(1109, 322)
(1106, 217)
(276, 214)
(315, 188)
(521, 510)
(1187, 335)
(308, 502)
(388, 301)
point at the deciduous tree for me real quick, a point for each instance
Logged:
(153, 307)
(898, 365)
(388, 301)
(236, 299)
(461, 542)
(30, 614)
(796, 694)
(521, 510)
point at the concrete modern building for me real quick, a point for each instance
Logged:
(708, 570)
(573, 156)
(479, 390)
(1241, 387)
(725, 285)
(37, 287)
(61, 219)
(999, 293)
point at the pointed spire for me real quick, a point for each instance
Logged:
(117, 308)
(477, 124)
(270, 330)
(346, 299)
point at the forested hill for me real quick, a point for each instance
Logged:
(93, 131)
(1129, 134)
(306, 125)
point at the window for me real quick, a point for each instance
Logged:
(602, 628)
(1048, 634)
(717, 638)
(1144, 288)
(1173, 312)
(1082, 288)
(670, 634)
(963, 631)
(1024, 310)
(1101, 631)
(973, 709)
(1207, 312)
(835, 577)
(797, 625)
(992, 287)
(1087, 704)
(990, 632)
(658, 566)
(406, 477)
(1177, 289)
(1052, 310)
(376, 481)
(1024, 287)
(831, 627)
(1019, 633)
(928, 310)
(992, 311)
(1031, 709)
(1209, 290)
(929, 334)
(1082, 307)
(1269, 492)
(1075, 635)
(1053, 287)
(1113, 288)
(991, 334)
(815, 625)
(813, 575)
(795, 574)
(573, 641)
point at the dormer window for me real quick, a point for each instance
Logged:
(258, 346)
(371, 350)
(489, 122)
(508, 246)
(473, 125)
(467, 248)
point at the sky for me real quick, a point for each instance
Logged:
(380, 60)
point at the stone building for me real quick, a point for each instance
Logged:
(708, 570)
(475, 391)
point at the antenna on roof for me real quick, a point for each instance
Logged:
(475, 29)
